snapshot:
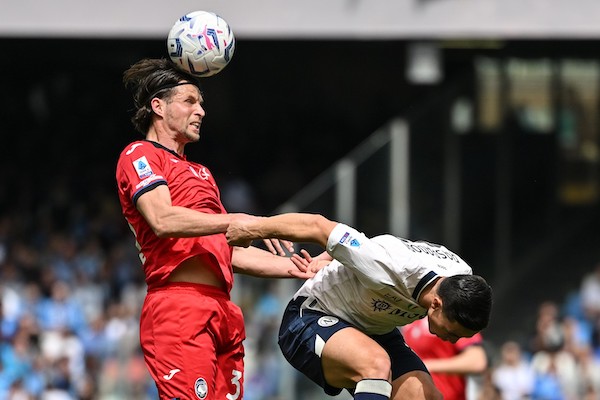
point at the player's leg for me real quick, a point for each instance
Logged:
(359, 364)
(178, 332)
(352, 359)
(410, 378)
(415, 385)
(230, 359)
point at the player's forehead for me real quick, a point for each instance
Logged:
(186, 89)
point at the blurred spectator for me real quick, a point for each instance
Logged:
(590, 300)
(556, 374)
(488, 389)
(577, 335)
(61, 311)
(588, 373)
(238, 196)
(513, 377)
(548, 332)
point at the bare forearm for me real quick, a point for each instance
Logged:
(167, 220)
(472, 360)
(260, 263)
(295, 227)
(184, 222)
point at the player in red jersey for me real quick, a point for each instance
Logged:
(449, 363)
(190, 332)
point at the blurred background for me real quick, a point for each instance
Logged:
(468, 123)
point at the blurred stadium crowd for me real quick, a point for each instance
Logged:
(71, 290)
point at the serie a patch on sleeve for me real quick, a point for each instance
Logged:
(142, 167)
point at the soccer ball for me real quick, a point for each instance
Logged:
(201, 43)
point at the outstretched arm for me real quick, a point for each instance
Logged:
(263, 264)
(472, 360)
(297, 227)
(167, 220)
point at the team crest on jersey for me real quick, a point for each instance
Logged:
(142, 167)
(327, 321)
(201, 388)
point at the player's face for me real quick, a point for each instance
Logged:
(184, 113)
(443, 328)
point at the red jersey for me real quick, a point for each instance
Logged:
(144, 165)
(427, 345)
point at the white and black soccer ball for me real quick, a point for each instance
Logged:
(201, 43)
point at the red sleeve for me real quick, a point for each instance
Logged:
(140, 169)
(463, 343)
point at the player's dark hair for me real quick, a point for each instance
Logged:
(149, 78)
(466, 299)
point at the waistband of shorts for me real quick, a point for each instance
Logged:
(298, 300)
(304, 303)
(206, 290)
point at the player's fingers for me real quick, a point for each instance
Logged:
(277, 245)
(288, 245)
(299, 262)
(269, 246)
(306, 255)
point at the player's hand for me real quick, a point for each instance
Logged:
(238, 232)
(307, 265)
(279, 247)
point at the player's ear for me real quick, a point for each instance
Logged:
(157, 106)
(436, 303)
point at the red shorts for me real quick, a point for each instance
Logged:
(191, 336)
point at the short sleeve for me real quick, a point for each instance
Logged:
(139, 170)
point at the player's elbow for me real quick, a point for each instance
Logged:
(162, 229)
(162, 233)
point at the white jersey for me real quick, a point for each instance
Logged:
(374, 283)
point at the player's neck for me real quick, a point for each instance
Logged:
(153, 135)
(429, 293)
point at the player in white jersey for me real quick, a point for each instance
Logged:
(340, 328)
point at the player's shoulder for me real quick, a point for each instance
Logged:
(390, 241)
(139, 147)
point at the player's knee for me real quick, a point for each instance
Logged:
(432, 393)
(416, 386)
(419, 393)
(379, 366)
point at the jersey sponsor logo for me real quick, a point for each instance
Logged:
(132, 148)
(142, 167)
(406, 314)
(343, 239)
(379, 305)
(346, 238)
(327, 321)
(400, 301)
(201, 388)
(383, 306)
(171, 374)
(202, 173)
